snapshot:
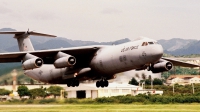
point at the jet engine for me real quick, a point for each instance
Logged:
(161, 66)
(32, 63)
(64, 60)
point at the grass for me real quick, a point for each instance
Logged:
(101, 108)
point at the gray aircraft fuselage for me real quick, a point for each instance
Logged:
(107, 61)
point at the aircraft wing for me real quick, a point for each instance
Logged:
(180, 63)
(81, 53)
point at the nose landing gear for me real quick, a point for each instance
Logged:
(102, 83)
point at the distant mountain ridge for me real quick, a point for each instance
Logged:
(40, 43)
(175, 46)
(176, 43)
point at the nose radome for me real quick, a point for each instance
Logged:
(158, 52)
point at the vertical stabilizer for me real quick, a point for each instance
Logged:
(24, 43)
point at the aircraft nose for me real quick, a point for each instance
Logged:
(158, 52)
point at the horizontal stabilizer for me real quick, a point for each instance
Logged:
(23, 39)
(27, 32)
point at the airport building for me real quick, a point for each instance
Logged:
(114, 89)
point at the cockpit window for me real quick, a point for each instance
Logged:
(144, 44)
(150, 42)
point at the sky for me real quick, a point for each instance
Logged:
(104, 20)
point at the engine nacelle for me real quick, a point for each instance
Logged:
(32, 63)
(67, 61)
(162, 67)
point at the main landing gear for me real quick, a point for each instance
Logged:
(73, 83)
(102, 83)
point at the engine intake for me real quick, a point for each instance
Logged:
(162, 66)
(32, 63)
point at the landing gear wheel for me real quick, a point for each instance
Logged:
(73, 83)
(98, 84)
(76, 83)
(68, 83)
(106, 83)
(102, 83)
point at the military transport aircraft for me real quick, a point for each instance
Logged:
(98, 62)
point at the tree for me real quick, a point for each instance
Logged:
(54, 90)
(5, 82)
(137, 76)
(157, 81)
(31, 81)
(18, 82)
(37, 92)
(149, 77)
(148, 81)
(23, 91)
(4, 92)
(133, 81)
(144, 76)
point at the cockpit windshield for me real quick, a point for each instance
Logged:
(148, 43)
(144, 44)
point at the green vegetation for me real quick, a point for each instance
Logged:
(4, 92)
(54, 90)
(101, 108)
(180, 71)
(133, 81)
(178, 89)
(23, 91)
(38, 92)
(139, 99)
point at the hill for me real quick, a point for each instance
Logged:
(179, 47)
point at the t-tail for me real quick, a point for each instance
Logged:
(23, 39)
